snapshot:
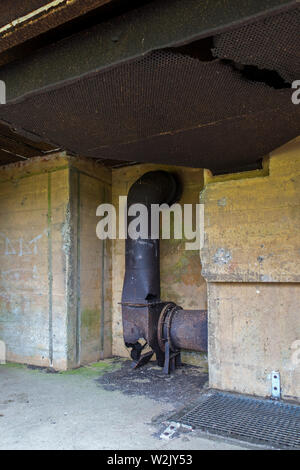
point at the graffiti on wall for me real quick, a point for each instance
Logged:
(20, 247)
(19, 274)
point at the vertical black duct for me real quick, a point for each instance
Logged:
(142, 262)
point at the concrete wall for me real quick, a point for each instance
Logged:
(91, 186)
(251, 259)
(32, 298)
(181, 279)
(55, 293)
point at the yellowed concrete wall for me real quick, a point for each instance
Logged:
(181, 279)
(55, 275)
(253, 328)
(92, 187)
(251, 258)
(32, 297)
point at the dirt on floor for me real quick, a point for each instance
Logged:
(178, 388)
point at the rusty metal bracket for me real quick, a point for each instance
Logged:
(161, 322)
(143, 360)
(172, 354)
(172, 359)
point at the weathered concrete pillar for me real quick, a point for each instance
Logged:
(251, 261)
(55, 276)
(2, 352)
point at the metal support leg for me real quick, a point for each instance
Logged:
(172, 359)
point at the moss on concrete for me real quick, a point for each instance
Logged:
(90, 318)
(12, 365)
(95, 369)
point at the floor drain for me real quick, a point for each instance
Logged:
(258, 421)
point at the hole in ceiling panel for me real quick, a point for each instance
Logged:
(252, 73)
(201, 50)
(272, 44)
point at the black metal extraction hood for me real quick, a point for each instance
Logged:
(200, 84)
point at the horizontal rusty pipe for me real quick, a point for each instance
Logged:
(189, 330)
(182, 329)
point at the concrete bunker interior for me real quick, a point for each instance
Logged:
(185, 116)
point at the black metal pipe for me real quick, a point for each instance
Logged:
(142, 262)
(164, 325)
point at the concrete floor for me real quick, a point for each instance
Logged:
(73, 410)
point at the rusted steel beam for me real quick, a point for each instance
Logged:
(9, 10)
(21, 21)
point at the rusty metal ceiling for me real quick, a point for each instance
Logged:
(221, 103)
(15, 148)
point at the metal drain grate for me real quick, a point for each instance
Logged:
(254, 420)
